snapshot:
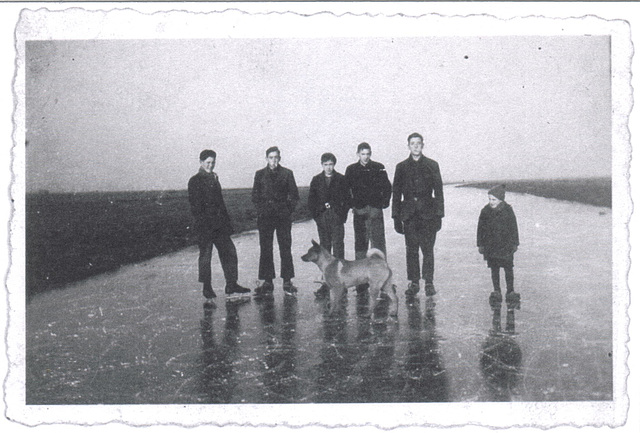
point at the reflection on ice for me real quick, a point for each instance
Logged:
(133, 337)
(501, 358)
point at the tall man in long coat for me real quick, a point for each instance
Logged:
(213, 227)
(275, 196)
(417, 210)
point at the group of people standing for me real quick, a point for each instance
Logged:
(417, 209)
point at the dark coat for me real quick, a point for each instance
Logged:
(274, 193)
(498, 232)
(368, 185)
(425, 199)
(336, 194)
(207, 205)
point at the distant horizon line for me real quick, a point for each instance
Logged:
(497, 181)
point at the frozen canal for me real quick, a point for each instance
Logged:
(143, 334)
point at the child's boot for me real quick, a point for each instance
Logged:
(513, 301)
(495, 299)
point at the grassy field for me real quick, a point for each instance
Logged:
(594, 191)
(70, 237)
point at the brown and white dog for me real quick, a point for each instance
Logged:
(340, 274)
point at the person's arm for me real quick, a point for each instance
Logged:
(515, 238)
(196, 203)
(396, 206)
(480, 232)
(345, 199)
(397, 193)
(293, 195)
(312, 201)
(256, 192)
(438, 192)
(385, 187)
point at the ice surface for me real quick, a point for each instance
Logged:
(143, 334)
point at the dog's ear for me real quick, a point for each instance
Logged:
(315, 244)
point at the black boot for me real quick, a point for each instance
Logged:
(207, 291)
(495, 299)
(513, 301)
(429, 289)
(264, 290)
(235, 289)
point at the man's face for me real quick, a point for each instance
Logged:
(415, 146)
(273, 159)
(365, 156)
(494, 201)
(328, 167)
(208, 164)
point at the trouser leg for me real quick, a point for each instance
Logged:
(427, 242)
(228, 257)
(412, 245)
(508, 274)
(376, 229)
(324, 231)
(360, 235)
(266, 270)
(283, 232)
(337, 236)
(495, 277)
(204, 261)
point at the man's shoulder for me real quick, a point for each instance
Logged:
(195, 178)
(430, 162)
(352, 167)
(285, 172)
(375, 165)
(403, 163)
(317, 177)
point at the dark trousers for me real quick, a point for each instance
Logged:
(508, 275)
(282, 228)
(368, 226)
(420, 234)
(226, 252)
(331, 232)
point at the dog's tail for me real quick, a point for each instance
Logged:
(376, 252)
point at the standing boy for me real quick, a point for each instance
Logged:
(275, 196)
(329, 205)
(213, 227)
(417, 211)
(369, 193)
(498, 240)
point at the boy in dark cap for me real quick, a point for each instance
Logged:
(497, 240)
(213, 227)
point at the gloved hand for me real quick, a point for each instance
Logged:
(481, 250)
(438, 224)
(515, 248)
(398, 226)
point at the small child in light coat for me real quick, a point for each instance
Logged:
(498, 240)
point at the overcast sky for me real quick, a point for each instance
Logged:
(134, 114)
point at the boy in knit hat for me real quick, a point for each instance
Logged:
(497, 240)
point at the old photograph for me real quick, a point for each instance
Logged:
(324, 219)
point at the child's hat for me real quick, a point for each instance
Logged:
(498, 191)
